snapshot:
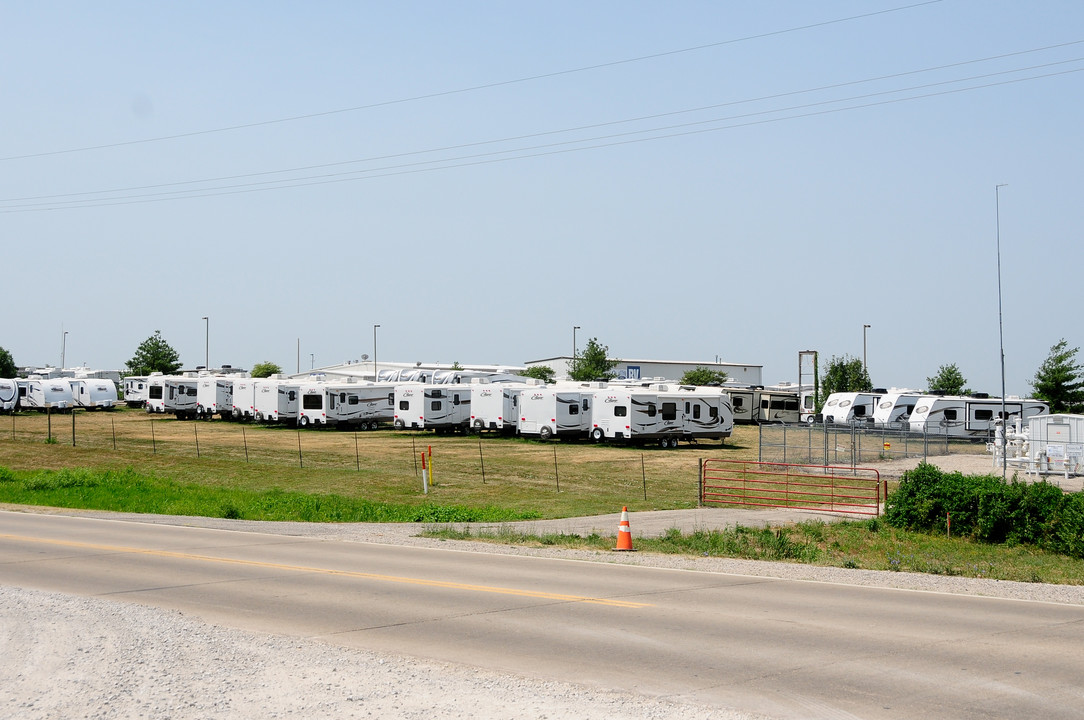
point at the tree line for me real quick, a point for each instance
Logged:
(1059, 381)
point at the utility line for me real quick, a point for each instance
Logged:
(594, 126)
(474, 88)
(481, 160)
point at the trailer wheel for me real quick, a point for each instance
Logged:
(303, 421)
(674, 442)
(597, 435)
(478, 424)
(545, 433)
(399, 425)
(664, 442)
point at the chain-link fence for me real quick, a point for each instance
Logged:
(856, 444)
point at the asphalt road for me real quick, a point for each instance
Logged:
(780, 647)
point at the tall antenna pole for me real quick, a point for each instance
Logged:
(1001, 334)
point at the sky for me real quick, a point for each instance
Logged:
(682, 181)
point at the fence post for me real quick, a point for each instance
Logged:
(195, 431)
(154, 445)
(700, 482)
(784, 443)
(481, 460)
(760, 443)
(73, 427)
(556, 474)
(113, 423)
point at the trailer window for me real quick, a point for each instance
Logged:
(739, 403)
(312, 402)
(155, 393)
(352, 400)
(669, 411)
(292, 396)
(792, 405)
(435, 405)
(713, 412)
(652, 411)
(984, 414)
(391, 399)
(696, 411)
(586, 405)
(455, 399)
(859, 410)
(573, 409)
(950, 413)
(404, 404)
(620, 411)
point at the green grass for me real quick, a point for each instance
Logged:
(868, 544)
(130, 491)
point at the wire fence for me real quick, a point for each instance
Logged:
(393, 455)
(856, 444)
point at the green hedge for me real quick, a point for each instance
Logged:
(987, 508)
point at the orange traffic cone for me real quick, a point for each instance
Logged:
(624, 532)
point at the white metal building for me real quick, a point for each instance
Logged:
(669, 369)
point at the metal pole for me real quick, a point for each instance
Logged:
(206, 343)
(63, 348)
(574, 329)
(1000, 328)
(865, 368)
(375, 371)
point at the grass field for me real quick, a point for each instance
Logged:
(127, 460)
(558, 479)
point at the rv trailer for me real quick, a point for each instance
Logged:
(135, 391)
(662, 412)
(706, 413)
(244, 399)
(446, 408)
(894, 409)
(45, 394)
(94, 393)
(495, 406)
(846, 407)
(973, 416)
(779, 406)
(214, 396)
(409, 399)
(745, 400)
(180, 395)
(553, 411)
(275, 399)
(9, 395)
(361, 404)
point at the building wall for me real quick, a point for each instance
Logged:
(668, 369)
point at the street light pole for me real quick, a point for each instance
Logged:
(63, 348)
(1001, 331)
(375, 370)
(207, 343)
(865, 369)
(574, 329)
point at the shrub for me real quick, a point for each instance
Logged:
(988, 509)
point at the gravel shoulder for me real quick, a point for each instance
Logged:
(76, 657)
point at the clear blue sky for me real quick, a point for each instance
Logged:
(681, 180)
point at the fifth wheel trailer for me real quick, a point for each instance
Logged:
(970, 416)
(9, 395)
(94, 393)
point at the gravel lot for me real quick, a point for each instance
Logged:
(74, 657)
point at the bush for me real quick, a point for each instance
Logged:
(987, 508)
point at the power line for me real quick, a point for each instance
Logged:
(484, 159)
(473, 88)
(593, 126)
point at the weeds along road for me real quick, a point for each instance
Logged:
(780, 647)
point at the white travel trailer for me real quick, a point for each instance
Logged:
(846, 407)
(495, 406)
(663, 412)
(409, 401)
(275, 399)
(180, 395)
(214, 396)
(45, 394)
(446, 408)
(135, 391)
(895, 407)
(556, 411)
(745, 400)
(779, 406)
(9, 395)
(970, 416)
(94, 393)
(244, 398)
(362, 404)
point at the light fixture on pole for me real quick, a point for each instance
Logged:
(375, 378)
(1000, 329)
(207, 343)
(865, 369)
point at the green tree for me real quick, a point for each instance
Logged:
(1060, 379)
(592, 363)
(948, 380)
(7, 365)
(265, 369)
(540, 372)
(456, 366)
(703, 376)
(154, 355)
(845, 374)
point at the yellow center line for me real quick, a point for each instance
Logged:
(339, 573)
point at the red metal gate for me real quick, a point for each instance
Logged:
(822, 488)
